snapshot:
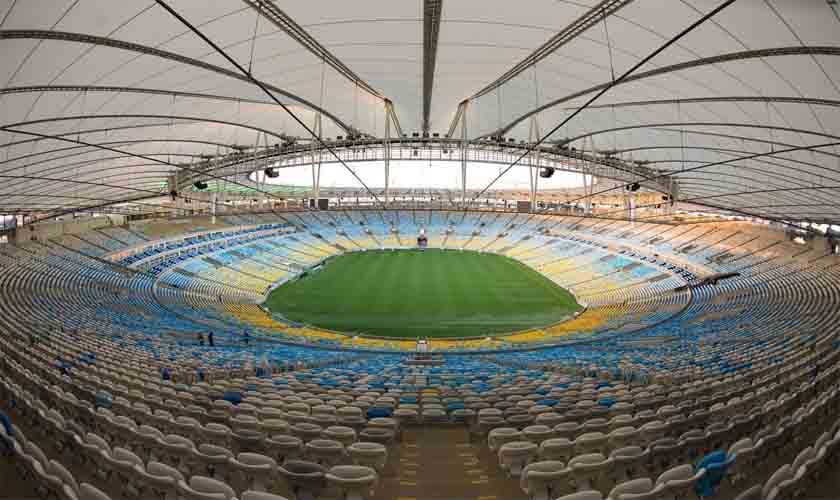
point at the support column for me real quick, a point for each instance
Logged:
(534, 167)
(172, 184)
(266, 201)
(388, 112)
(464, 154)
(587, 181)
(316, 163)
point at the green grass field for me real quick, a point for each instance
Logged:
(432, 293)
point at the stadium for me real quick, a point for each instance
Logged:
(432, 250)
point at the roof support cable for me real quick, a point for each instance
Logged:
(682, 139)
(262, 87)
(127, 153)
(606, 88)
(609, 44)
(714, 164)
(254, 36)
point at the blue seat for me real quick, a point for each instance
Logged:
(103, 399)
(608, 402)
(233, 397)
(716, 465)
(377, 412)
(450, 407)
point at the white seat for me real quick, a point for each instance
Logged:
(147, 438)
(261, 495)
(591, 442)
(306, 480)
(283, 447)
(88, 492)
(678, 481)
(69, 489)
(356, 482)
(326, 452)
(95, 449)
(588, 470)
(501, 435)
(515, 455)
(127, 465)
(537, 433)
(743, 452)
(217, 434)
(306, 431)
(373, 455)
(213, 461)
(342, 434)
(623, 437)
(177, 452)
(258, 470)
(583, 495)
(627, 463)
(637, 489)
(205, 488)
(557, 449)
(377, 435)
(545, 480)
(162, 480)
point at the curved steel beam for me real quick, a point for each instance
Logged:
(113, 117)
(750, 139)
(591, 17)
(109, 143)
(154, 160)
(103, 191)
(82, 132)
(269, 10)
(431, 29)
(90, 167)
(718, 150)
(78, 182)
(732, 56)
(709, 165)
(125, 90)
(725, 180)
(710, 176)
(701, 100)
(147, 178)
(144, 49)
(20, 185)
(695, 124)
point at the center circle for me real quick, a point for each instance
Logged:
(414, 293)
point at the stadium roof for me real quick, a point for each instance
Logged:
(740, 101)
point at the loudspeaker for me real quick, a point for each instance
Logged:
(833, 245)
(271, 173)
(546, 172)
(200, 185)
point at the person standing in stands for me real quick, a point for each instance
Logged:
(201, 339)
(210, 339)
(246, 337)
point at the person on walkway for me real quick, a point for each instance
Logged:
(210, 339)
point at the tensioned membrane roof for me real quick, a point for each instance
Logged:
(102, 99)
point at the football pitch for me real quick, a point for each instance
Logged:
(430, 293)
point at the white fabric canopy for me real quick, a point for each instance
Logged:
(101, 99)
